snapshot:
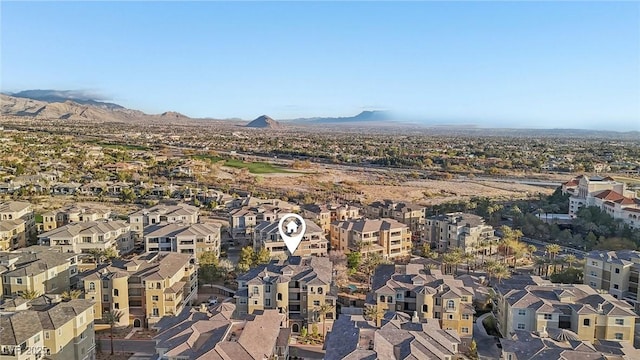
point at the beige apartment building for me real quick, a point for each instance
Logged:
(295, 286)
(387, 237)
(426, 294)
(12, 234)
(47, 328)
(324, 215)
(75, 213)
(44, 271)
(616, 272)
(267, 235)
(93, 235)
(412, 215)
(459, 230)
(20, 210)
(163, 213)
(184, 238)
(144, 288)
(579, 310)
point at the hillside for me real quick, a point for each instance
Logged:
(264, 122)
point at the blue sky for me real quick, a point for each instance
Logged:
(533, 64)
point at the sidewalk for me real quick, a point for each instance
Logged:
(486, 344)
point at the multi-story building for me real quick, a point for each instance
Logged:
(616, 272)
(412, 215)
(184, 238)
(387, 237)
(426, 294)
(93, 235)
(144, 288)
(12, 234)
(163, 213)
(267, 235)
(75, 213)
(399, 337)
(219, 334)
(19, 210)
(47, 328)
(295, 286)
(579, 310)
(324, 215)
(459, 230)
(33, 269)
(605, 193)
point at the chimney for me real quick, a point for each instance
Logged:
(543, 333)
(600, 310)
(414, 318)
(203, 308)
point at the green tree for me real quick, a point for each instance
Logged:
(30, 294)
(570, 259)
(246, 259)
(553, 250)
(473, 350)
(323, 310)
(112, 318)
(570, 275)
(71, 294)
(374, 313)
(262, 257)
(353, 260)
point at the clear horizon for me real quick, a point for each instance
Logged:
(492, 64)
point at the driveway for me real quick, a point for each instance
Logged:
(486, 344)
(308, 352)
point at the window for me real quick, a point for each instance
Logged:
(36, 339)
(255, 290)
(390, 299)
(268, 288)
(319, 290)
(105, 298)
(105, 284)
(425, 308)
(451, 304)
(520, 326)
(398, 296)
(617, 270)
(92, 286)
(450, 316)
(279, 297)
(154, 298)
(47, 335)
(255, 302)
(465, 316)
(548, 316)
(267, 302)
(591, 283)
(116, 292)
(615, 286)
(619, 321)
(465, 330)
(465, 299)
(436, 315)
(438, 302)
(116, 306)
(316, 302)
(19, 281)
(619, 336)
(586, 322)
(522, 312)
(382, 298)
(155, 312)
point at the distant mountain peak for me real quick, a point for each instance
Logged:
(173, 115)
(264, 122)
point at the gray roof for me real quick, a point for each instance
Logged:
(306, 270)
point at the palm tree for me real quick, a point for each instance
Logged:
(468, 257)
(452, 258)
(323, 310)
(553, 250)
(71, 294)
(540, 262)
(531, 249)
(374, 313)
(112, 317)
(570, 259)
(501, 272)
(483, 246)
(30, 294)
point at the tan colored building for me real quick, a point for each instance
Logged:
(412, 215)
(324, 215)
(459, 230)
(426, 294)
(12, 234)
(86, 236)
(268, 236)
(163, 213)
(616, 272)
(296, 286)
(47, 328)
(387, 237)
(36, 269)
(75, 213)
(193, 239)
(15, 210)
(144, 288)
(579, 309)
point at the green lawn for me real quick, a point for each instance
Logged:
(121, 146)
(254, 167)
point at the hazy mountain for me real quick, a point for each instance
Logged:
(60, 96)
(365, 116)
(264, 122)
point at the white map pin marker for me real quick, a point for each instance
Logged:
(292, 241)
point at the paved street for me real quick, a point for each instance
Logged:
(307, 352)
(487, 348)
(130, 346)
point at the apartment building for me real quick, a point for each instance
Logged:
(75, 213)
(19, 210)
(218, 333)
(92, 235)
(34, 269)
(387, 237)
(578, 310)
(295, 286)
(144, 288)
(47, 328)
(615, 272)
(426, 294)
(412, 215)
(12, 234)
(267, 235)
(605, 193)
(459, 230)
(163, 213)
(324, 215)
(184, 238)
(398, 337)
